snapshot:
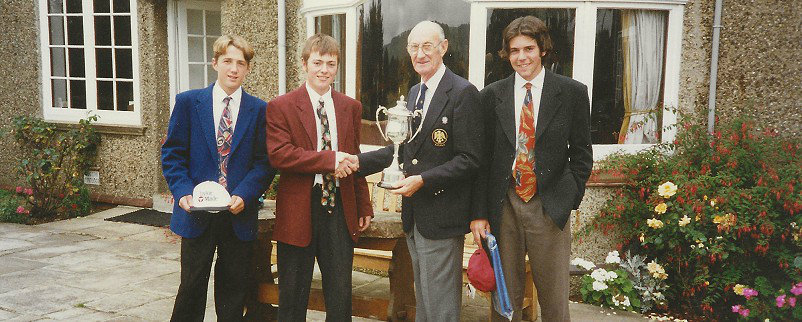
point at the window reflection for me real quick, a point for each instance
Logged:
(334, 26)
(628, 76)
(384, 70)
(561, 29)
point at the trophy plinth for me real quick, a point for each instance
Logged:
(399, 131)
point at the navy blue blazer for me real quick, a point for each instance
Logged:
(189, 157)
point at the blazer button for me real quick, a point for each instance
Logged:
(414, 161)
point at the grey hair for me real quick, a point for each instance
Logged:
(429, 24)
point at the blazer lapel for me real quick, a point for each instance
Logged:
(305, 111)
(505, 110)
(439, 101)
(549, 104)
(206, 117)
(244, 117)
(343, 119)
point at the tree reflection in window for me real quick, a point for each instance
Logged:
(561, 29)
(384, 71)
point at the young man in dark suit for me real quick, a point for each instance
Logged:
(217, 134)
(440, 165)
(538, 162)
(320, 208)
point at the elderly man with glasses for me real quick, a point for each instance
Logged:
(440, 165)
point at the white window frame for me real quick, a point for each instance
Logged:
(71, 115)
(584, 47)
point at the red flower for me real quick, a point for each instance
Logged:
(74, 206)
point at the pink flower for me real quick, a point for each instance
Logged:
(780, 300)
(736, 308)
(797, 289)
(792, 301)
(748, 293)
(744, 312)
(28, 191)
(19, 189)
(20, 210)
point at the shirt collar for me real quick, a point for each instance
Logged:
(432, 83)
(314, 97)
(220, 94)
(537, 82)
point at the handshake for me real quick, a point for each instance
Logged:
(346, 165)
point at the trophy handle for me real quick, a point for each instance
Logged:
(418, 113)
(378, 111)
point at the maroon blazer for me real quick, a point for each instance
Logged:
(292, 150)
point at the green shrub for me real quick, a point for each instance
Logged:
(53, 162)
(10, 210)
(717, 211)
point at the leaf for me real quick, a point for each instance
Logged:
(798, 262)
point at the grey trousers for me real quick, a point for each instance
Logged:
(526, 229)
(437, 267)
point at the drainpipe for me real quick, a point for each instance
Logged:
(282, 47)
(711, 95)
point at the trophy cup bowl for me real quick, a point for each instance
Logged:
(399, 131)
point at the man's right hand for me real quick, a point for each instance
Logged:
(185, 202)
(479, 228)
(347, 164)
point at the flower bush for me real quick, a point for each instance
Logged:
(717, 211)
(52, 163)
(629, 284)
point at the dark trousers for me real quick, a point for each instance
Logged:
(331, 244)
(231, 272)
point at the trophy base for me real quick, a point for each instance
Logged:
(390, 177)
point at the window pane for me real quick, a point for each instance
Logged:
(74, 6)
(104, 63)
(59, 92)
(75, 30)
(76, 62)
(105, 95)
(78, 94)
(122, 6)
(334, 25)
(122, 31)
(123, 66)
(195, 22)
(55, 6)
(102, 6)
(56, 25)
(103, 30)
(125, 96)
(58, 63)
(210, 48)
(211, 75)
(628, 76)
(213, 23)
(195, 49)
(196, 76)
(561, 30)
(384, 70)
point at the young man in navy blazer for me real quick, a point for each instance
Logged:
(217, 134)
(539, 159)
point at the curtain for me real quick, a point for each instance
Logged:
(643, 43)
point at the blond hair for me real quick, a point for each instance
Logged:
(322, 44)
(222, 43)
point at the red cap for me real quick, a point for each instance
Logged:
(480, 273)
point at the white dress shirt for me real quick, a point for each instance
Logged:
(218, 94)
(520, 94)
(328, 104)
(431, 87)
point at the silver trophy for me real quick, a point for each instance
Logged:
(398, 130)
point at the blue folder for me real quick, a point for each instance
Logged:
(501, 299)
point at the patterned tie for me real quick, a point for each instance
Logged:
(419, 107)
(224, 134)
(329, 185)
(524, 172)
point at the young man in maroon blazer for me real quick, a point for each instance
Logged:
(312, 133)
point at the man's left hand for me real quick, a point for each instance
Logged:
(408, 186)
(236, 205)
(364, 223)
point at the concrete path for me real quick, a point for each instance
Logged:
(89, 269)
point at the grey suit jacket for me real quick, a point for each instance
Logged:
(563, 155)
(446, 153)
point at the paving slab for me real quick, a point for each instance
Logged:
(158, 310)
(119, 302)
(115, 230)
(44, 299)
(10, 264)
(73, 224)
(9, 245)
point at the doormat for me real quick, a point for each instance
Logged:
(148, 217)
